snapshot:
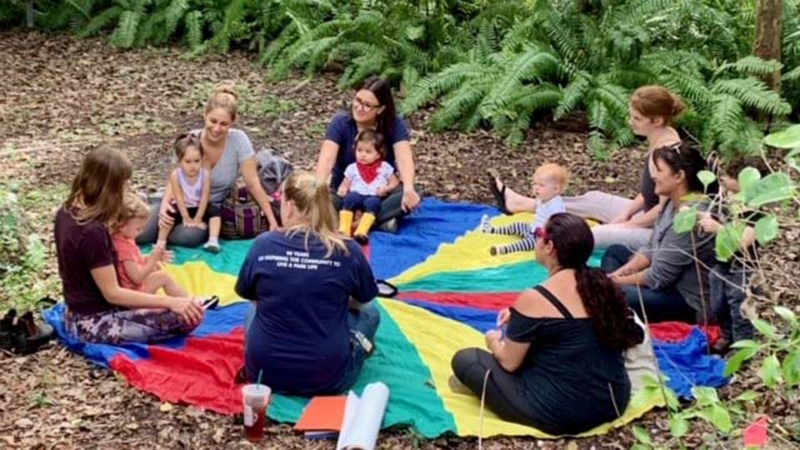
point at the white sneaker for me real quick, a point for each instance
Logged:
(212, 247)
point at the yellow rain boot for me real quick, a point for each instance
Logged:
(345, 221)
(363, 228)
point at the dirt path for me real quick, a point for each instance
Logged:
(63, 97)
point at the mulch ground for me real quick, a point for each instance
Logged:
(63, 97)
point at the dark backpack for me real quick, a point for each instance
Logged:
(241, 215)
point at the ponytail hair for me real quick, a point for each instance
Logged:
(606, 306)
(312, 199)
(223, 96)
(657, 101)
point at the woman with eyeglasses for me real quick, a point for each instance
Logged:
(227, 153)
(556, 363)
(652, 109)
(669, 275)
(372, 108)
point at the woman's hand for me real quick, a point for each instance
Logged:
(503, 316)
(188, 308)
(492, 337)
(410, 199)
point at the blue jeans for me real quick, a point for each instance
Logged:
(728, 283)
(661, 305)
(391, 206)
(364, 321)
(355, 201)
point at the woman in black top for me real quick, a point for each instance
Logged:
(559, 366)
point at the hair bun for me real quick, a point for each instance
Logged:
(226, 88)
(677, 105)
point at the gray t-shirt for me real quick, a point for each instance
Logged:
(671, 255)
(223, 176)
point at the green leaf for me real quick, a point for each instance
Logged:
(678, 426)
(791, 368)
(735, 361)
(786, 139)
(775, 187)
(748, 178)
(747, 396)
(745, 343)
(728, 240)
(786, 314)
(705, 396)
(640, 447)
(706, 177)
(685, 220)
(766, 229)
(766, 329)
(770, 371)
(642, 435)
(721, 419)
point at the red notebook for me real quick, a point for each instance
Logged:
(323, 413)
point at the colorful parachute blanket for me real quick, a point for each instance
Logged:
(450, 292)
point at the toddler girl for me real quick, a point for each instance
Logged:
(136, 271)
(365, 182)
(189, 190)
(549, 181)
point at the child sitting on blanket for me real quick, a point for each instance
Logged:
(549, 181)
(136, 271)
(365, 182)
(729, 279)
(189, 189)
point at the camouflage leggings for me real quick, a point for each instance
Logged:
(131, 325)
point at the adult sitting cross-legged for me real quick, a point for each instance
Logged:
(373, 108)
(227, 153)
(669, 275)
(312, 325)
(99, 309)
(558, 365)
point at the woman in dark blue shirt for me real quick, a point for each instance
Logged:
(312, 325)
(373, 108)
(559, 367)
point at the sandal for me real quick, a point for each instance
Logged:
(499, 194)
(386, 289)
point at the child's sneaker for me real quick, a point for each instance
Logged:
(485, 226)
(362, 239)
(212, 246)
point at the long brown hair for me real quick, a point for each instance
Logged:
(312, 198)
(607, 308)
(99, 187)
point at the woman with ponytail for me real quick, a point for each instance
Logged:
(652, 113)
(312, 325)
(558, 362)
(227, 153)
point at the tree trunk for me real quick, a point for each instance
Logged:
(767, 44)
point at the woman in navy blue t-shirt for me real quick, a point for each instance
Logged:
(373, 108)
(313, 325)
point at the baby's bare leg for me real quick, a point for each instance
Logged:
(160, 279)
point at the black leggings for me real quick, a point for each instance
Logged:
(502, 389)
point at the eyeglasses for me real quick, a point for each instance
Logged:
(540, 233)
(364, 105)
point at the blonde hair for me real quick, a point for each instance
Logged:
(133, 207)
(223, 96)
(556, 173)
(657, 101)
(97, 190)
(312, 199)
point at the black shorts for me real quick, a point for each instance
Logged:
(212, 211)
